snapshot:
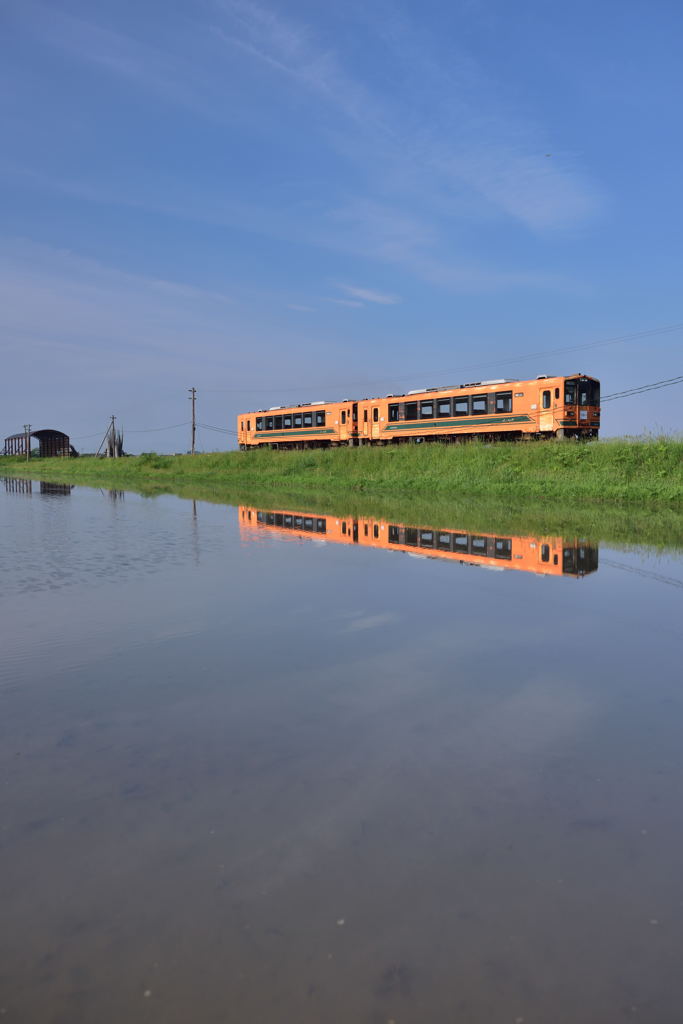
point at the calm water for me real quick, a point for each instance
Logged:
(260, 770)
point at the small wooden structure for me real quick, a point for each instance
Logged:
(53, 444)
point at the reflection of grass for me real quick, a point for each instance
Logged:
(623, 491)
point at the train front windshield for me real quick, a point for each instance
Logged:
(582, 391)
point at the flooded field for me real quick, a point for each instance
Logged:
(267, 765)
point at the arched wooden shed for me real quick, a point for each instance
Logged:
(53, 444)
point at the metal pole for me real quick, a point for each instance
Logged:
(193, 399)
(27, 431)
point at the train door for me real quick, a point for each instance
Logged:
(375, 421)
(366, 427)
(354, 424)
(344, 424)
(545, 406)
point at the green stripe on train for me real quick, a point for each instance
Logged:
(420, 425)
(294, 432)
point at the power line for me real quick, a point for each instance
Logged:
(619, 339)
(647, 573)
(220, 430)
(141, 430)
(656, 386)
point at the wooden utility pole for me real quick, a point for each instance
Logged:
(27, 429)
(193, 399)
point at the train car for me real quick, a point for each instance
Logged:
(546, 556)
(491, 410)
(314, 425)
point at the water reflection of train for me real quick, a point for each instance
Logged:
(551, 556)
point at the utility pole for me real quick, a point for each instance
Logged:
(27, 430)
(193, 399)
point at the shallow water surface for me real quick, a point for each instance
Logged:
(257, 767)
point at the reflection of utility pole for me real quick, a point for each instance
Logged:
(27, 429)
(193, 399)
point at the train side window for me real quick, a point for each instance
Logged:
(545, 552)
(557, 392)
(278, 422)
(270, 518)
(365, 415)
(375, 531)
(287, 521)
(546, 399)
(308, 523)
(259, 422)
(365, 529)
(504, 401)
(298, 522)
(308, 419)
(343, 527)
(570, 392)
(394, 535)
(241, 424)
(320, 419)
(426, 410)
(426, 539)
(443, 541)
(479, 545)
(269, 422)
(393, 413)
(297, 420)
(461, 406)
(286, 421)
(375, 415)
(343, 416)
(411, 410)
(248, 424)
(479, 404)
(461, 542)
(278, 518)
(443, 407)
(411, 536)
(503, 547)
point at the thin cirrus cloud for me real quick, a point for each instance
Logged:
(469, 159)
(498, 156)
(367, 295)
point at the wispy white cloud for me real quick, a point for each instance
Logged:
(367, 295)
(353, 303)
(453, 153)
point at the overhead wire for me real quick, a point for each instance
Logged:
(542, 353)
(656, 386)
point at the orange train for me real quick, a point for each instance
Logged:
(489, 409)
(547, 556)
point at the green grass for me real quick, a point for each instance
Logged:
(623, 470)
(625, 490)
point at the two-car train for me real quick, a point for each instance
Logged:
(490, 410)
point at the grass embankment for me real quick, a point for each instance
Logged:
(627, 490)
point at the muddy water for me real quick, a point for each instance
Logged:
(255, 770)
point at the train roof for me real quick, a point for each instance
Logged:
(425, 391)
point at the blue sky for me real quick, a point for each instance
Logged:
(294, 202)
